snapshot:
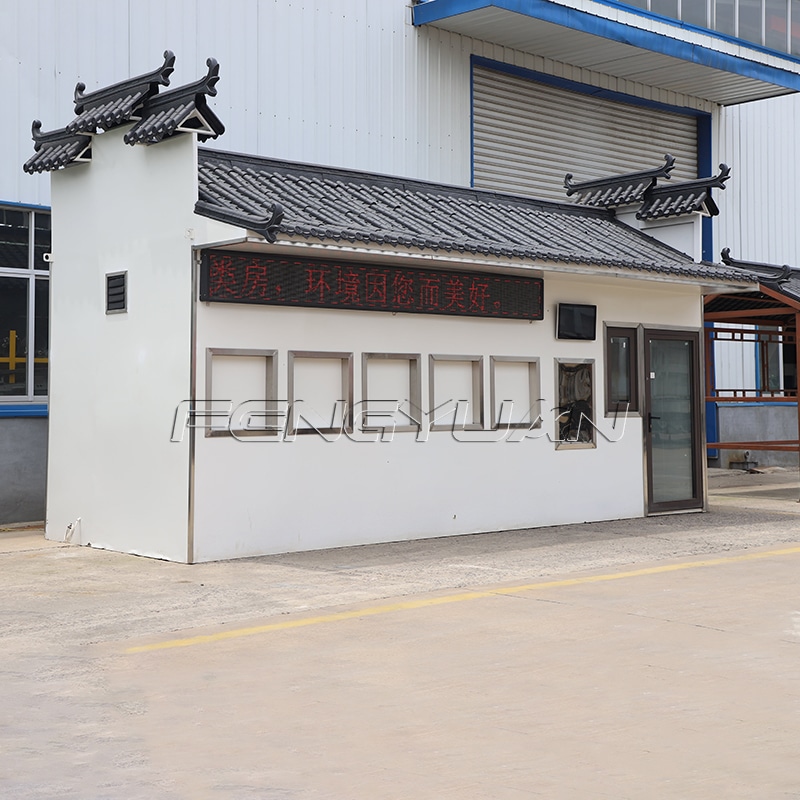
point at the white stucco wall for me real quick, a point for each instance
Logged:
(258, 497)
(115, 379)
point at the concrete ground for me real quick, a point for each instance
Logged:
(642, 658)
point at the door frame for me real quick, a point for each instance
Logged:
(700, 500)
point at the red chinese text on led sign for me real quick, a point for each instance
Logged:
(248, 278)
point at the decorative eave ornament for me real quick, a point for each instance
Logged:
(181, 110)
(156, 116)
(114, 105)
(267, 225)
(768, 273)
(56, 149)
(618, 190)
(662, 202)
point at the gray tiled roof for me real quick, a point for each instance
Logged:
(157, 116)
(662, 202)
(277, 197)
(781, 278)
(115, 105)
(617, 190)
(183, 108)
(56, 149)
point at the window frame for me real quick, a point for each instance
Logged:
(30, 399)
(567, 363)
(634, 333)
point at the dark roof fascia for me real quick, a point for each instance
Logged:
(146, 84)
(380, 179)
(191, 94)
(619, 181)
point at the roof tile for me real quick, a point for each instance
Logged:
(661, 202)
(180, 109)
(276, 197)
(56, 149)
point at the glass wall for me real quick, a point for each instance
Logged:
(24, 312)
(772, 23)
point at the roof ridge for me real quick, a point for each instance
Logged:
(631, 177)
(158, 76)
(207, 85)
(712, 181)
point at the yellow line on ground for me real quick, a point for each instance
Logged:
(427, 602)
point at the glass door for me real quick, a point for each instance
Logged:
(673, 433)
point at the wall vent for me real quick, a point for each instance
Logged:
(116, 293)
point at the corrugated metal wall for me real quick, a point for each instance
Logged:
(527, 135)
(344, 82)
(760, 207)
(347, 83)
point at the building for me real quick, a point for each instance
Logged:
(498, 96)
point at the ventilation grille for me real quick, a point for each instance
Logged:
(116, 293)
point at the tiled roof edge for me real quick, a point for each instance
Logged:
(774, 273)
(613, 180)
(162, 114)
(56, 148)
(678, 199)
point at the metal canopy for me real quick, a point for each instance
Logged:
(717, 71)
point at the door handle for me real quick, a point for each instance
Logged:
(650, 419)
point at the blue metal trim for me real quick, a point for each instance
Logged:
(31, 206)
(23, 410)
(712, 428)
(435, 10)
(705, 167)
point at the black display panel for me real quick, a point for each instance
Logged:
(227, 277)
(576, 321)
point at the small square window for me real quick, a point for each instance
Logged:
(320, 392)
(246, 380)
(515, 392)
(390, 391)
(455, 387)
